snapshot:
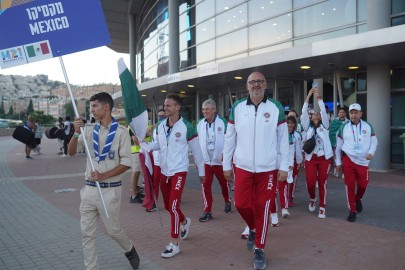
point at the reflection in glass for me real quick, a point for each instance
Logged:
(224, 5)
(334, 34)
(361, 81)
(262, 9)
(301, 3)
(205, 31)
(204, 10)
(271, 31)
(238, 40)
(231, 20)
(398, 78)
(324, 16)
(206, 52)
(272, 48)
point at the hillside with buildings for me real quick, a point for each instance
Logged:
(47, 95)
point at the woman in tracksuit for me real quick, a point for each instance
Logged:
(318, 162)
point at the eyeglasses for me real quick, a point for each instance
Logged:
(253, 82)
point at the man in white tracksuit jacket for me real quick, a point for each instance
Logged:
(256, 135)
(174, 136)
(211, 133)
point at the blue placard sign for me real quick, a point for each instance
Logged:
(34, 30)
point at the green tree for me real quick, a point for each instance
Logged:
(11, 111)
(69, 110)
(30, 108)
(42, 118)
(2, 106)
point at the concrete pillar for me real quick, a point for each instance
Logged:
(174, 53)
(379, 113)
(378, 14)
(132, 44)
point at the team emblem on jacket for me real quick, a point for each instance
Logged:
(219, 129)
(364, 131)
(111, 154)
(178, 135)
(320, 129)
(266, 115)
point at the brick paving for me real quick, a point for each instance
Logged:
(39, 228)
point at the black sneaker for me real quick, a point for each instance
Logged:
(136, 199)
(205, 217)
(359, 206)
(228, 207)
(251, 240)
(153, 209)
(133, 258)
(352, 217)
(260, 260)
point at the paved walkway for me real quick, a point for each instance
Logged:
(39, 228)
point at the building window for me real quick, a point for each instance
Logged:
(324, 16)
(233, 43)
(260, 9)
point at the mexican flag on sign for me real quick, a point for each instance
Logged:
(37, 49)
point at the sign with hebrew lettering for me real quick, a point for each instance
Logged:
(34, 30)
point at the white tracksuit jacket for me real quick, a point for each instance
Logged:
(219, 125)
(322, 131)
(173, 147)
(255, 137)
(349, 135)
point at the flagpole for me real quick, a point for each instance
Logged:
(82, 131)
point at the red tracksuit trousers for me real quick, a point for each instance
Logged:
(285, 191)
(210, 171)
(317, 170)
(253, 194)
(172, 189)
(355, 175)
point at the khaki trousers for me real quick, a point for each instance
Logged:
(90, 210)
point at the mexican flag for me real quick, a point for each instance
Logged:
(135, 110)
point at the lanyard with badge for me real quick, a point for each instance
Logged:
(108, 143)
(210, 134)
(357, 139)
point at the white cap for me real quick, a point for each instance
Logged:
(355, 106)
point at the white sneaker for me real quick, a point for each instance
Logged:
(274, 220)
(184, 229)
(171, 250)
(311, 205)
(322, 212)
(245, 233)
(64, 155)
(285, 213)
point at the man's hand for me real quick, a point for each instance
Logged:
(282, 176)
(228, 175)
(202, 179)
(78, 123)
(96, 176)
(369, 156)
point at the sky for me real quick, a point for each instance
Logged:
(94, 66)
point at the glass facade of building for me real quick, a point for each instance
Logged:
(217, 31)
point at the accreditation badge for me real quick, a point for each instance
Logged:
(111, 154)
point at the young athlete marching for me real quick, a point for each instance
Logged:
(318, 161)
(174, 136)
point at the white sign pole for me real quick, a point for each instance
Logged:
(82, 131)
